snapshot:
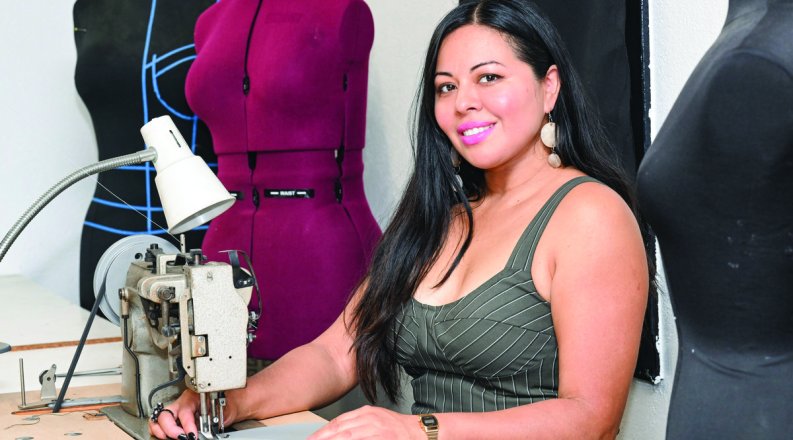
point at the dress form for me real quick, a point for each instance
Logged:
(282, 87)
(132, 60)
(716, 185)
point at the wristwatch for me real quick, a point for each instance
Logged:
(429, 424)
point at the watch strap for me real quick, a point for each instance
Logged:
(429, 424)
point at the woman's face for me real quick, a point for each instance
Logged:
(487, 101)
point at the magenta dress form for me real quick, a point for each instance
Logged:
(282, 87)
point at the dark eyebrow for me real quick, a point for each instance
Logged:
(484, 63)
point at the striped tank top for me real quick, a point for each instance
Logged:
(492, 349)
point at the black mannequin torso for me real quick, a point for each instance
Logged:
(717, 187)
(132, 59)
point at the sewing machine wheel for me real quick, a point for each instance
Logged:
(112, 269)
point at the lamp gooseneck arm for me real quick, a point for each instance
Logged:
(146, 155)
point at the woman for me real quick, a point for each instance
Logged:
(469, 315)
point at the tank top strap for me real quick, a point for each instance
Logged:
(527, 243)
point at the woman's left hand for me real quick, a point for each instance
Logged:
(371, 422)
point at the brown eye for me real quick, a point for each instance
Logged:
(445, 88)
(488, 77)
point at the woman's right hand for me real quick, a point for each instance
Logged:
(181, 412)
(177, 420)
(181, 420)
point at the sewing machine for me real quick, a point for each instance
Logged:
(184, 323)
(185, 320)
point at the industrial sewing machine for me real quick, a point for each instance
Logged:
(185, 320)
(184, 323)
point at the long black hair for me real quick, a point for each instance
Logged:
(411, 243)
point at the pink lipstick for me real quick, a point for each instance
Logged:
(475, 132)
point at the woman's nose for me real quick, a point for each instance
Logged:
(467, 99)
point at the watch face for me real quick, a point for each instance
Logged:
(429, 421)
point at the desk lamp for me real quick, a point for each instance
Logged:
(190, 193)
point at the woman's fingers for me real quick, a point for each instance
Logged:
(167, 424)
(346, 428)
(365, 423)
(187, 418)
(155, 430)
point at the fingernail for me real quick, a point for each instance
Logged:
(182, 437)
(191, 436)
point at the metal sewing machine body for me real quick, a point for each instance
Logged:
(183, 317)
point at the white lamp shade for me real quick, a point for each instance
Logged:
(190, 193)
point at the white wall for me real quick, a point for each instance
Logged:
(45, 133)
(402, 30)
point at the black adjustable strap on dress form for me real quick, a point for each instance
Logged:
(340, 151)
(246, 88)
(246, 81)
(337, 184)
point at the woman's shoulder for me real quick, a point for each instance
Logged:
(591, 196)
(591, 231)
(593, 207)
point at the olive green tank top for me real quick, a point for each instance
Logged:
(492, 349)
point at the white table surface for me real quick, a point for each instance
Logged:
(31, 315)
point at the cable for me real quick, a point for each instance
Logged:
(76, 357)
(170, 382)
(127, 347)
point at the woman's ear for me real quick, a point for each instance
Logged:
(551, 85)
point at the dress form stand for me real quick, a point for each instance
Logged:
(282, 87)
(132, 60)
(717, 187)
